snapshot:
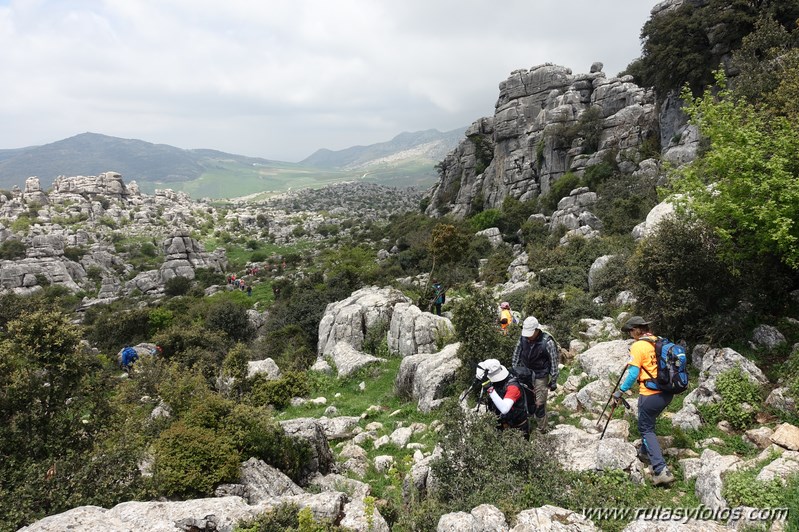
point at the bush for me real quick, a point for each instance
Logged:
(278, 392)
(287, 346)
(113, 328)
(681, 284)
(741, 488)
(191, 461)
(12, 249)
(177, 286)
(480, 465)
(559, 190)
(496, 269)
(485, 219)
(206, 277)
(160, 318)
(476, 326)
(559, 277)
(740, 400)
(231, 319)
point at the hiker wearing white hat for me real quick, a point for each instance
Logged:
(507, 399)
(536, 360)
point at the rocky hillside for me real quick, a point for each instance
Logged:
(81, 235)
(548, 122)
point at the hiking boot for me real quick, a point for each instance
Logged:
(643, 455)
(663, 478)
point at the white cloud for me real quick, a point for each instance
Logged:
(281, 78)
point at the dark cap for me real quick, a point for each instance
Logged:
(635, 321)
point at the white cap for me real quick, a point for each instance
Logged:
(529, 326)
(496, 372)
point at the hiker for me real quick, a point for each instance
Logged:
(249, 290)
(643, 366)
(439, 296)
(505, 317)
(507, 399)
(127, 358)
(535, 361)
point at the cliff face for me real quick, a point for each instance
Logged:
(547, 122)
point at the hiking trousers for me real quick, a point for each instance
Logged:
(649, 408)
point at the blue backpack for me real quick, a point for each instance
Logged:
(672, 374)
(129, 356)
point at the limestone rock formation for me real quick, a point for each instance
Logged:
(412, 331)
(533, 137)
(349, 320)
(423, 377)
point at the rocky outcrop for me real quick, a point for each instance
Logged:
(539, 132)
(412, 331)
(348, 360)
(308, 430)
(107, 184)
(348, 320)
(183, 254)
(605, 358)
(424, 377)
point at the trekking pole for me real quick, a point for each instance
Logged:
(610, 416)
(598, 421)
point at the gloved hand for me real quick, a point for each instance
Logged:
(487, 386)
(617, 396)
(553, 384)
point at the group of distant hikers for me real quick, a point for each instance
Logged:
(515, 395)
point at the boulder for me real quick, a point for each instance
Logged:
(780, 399)
(348, 360)
(266, 367)
(412, 331)
(709, 482)
(551, 519)
(493, 235)
(767, 337)
(484, 517)
(308, 430)
(605, 359)
(424, 377)
(262, 481)
(787, 436)
(780, 468)
(349, 320)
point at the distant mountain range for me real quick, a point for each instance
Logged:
(407, 159)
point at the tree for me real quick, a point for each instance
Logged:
(746, 185)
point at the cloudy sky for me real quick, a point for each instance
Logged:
(279, 79)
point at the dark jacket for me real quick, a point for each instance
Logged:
(539, 356)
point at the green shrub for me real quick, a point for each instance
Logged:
(559, 190)
(740, 400)
(12, 249)
(112, 328)
(611, 279)
(559, 277)
(287, 346)
(476, 327)
(160, 318)
(191, 461)
(681, 284)
(177, 286)
(375, 339)
(496, 269)
(278, 392)
(480, 465)
(741, 488)
(485, 219)
(74, 253)
(229, 318)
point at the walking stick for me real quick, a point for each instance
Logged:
(610, 416)
(598, 421)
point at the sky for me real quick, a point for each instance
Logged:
(280, 79)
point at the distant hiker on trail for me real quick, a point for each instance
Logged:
(505, 317)
(641, 367)
(439, 296)
(507, 397)
(535, 361)
(127, 358)
(249, 290)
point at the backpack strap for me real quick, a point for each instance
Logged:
(654, 344)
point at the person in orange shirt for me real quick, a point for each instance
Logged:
(505, 317)
(651, 403)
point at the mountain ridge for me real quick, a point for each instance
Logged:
(199, 171)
